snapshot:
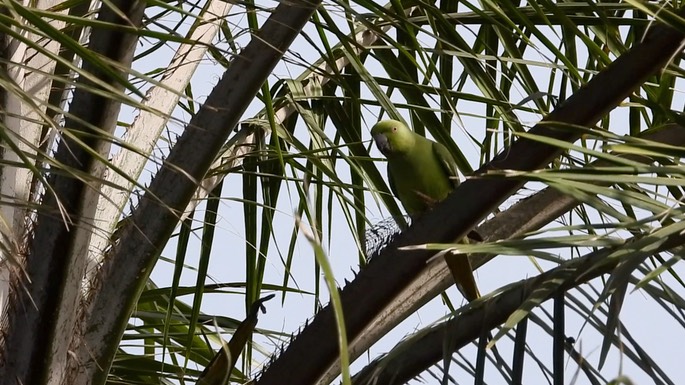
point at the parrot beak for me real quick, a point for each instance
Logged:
(382, 143)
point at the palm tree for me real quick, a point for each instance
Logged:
(524, 94)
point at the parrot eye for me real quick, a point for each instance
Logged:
(394, 129)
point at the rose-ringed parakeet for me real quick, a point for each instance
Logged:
(422, 173)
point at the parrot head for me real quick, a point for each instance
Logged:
(392, 137)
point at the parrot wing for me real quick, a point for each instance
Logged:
(446, 160)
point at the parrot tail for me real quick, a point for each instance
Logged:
(460, 267)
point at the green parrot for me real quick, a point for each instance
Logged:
(422, 173)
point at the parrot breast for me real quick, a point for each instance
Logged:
(419, 178)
